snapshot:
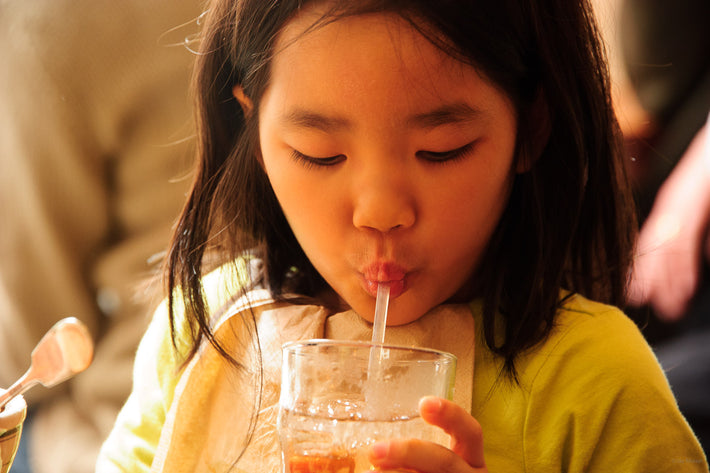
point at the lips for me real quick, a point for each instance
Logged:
(388, 273)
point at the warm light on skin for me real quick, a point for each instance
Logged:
(377, 101)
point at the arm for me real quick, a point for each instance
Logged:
(672, 241)
(600, 403)
(158, 367)
(132, 443)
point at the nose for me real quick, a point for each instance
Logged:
(384, 204)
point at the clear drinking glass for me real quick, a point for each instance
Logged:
(332, 410)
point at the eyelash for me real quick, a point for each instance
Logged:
(311, 162)
(430, 156)
(446, 157)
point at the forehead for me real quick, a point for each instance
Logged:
(319, 30)
(353, 58)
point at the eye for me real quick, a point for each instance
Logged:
(311, 161)
(447, 156)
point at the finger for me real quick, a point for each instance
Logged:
(638, 290)
(641, 279)
(679, 274)
(417, 455)
(465, 431)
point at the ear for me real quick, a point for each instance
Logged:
(244, 101)
(540, 126)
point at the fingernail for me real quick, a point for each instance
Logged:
(430, 404)
(379, 450)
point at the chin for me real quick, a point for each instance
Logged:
(401, 313)
(401, 310)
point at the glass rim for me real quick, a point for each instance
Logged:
(289, 346)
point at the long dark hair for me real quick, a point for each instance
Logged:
(570, 220)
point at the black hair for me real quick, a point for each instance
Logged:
(569, 224)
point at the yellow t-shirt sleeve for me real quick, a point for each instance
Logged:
(132, 443)
(614, 412)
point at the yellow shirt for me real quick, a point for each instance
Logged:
(590, 398)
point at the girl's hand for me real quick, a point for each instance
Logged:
(465, 455)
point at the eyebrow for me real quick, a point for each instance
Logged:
(447, 114)
(307, 119)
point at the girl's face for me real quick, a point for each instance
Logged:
(392, 161)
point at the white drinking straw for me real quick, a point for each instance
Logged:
(381, 304)
(374, 370)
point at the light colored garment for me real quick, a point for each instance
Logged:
(192, 430)
(95, 121)
(591, 398)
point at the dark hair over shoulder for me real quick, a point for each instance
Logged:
(570, 220)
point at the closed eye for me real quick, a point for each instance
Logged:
(447, 156)
(312, 161)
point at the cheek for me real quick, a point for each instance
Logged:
(308, 207)
(288, 184)
(289, 192)
(473, 202)
(466, 218)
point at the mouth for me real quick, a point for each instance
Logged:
(389, 273)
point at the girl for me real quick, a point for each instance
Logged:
(462, 152)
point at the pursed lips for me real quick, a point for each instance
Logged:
(384, 272)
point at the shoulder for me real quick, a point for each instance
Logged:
(600, 335)
(597, 350)
(168, 339)
(594, 389)
(227, 282)
(159, 367)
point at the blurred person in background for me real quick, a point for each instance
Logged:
(661, 63)
(94, 148)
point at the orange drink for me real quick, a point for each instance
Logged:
(321, 464)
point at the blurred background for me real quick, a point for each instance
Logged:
(95, 152)
(659, 55)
